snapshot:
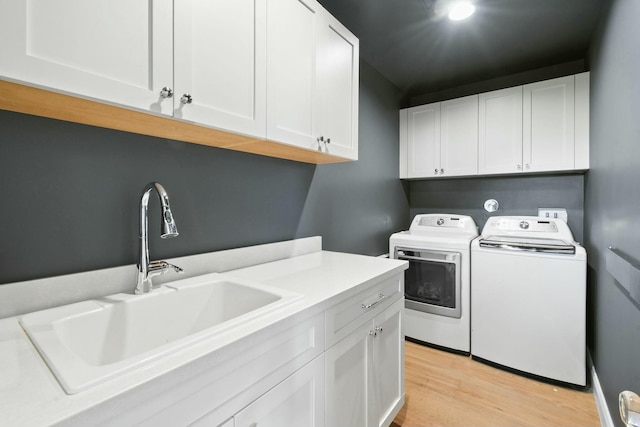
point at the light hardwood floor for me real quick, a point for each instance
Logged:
(445, 389)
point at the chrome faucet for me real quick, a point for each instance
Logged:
(147, 269)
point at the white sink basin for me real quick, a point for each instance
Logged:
(90, 342)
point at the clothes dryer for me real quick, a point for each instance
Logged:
(437, 282)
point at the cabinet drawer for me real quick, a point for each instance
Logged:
(345, 317)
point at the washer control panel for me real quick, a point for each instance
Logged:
(525, 225)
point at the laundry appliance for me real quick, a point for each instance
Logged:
(528, 298)
(437, 282)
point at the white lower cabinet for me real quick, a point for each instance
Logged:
(365, 372)
(348, 378)
(388, 364)
(341, 366)
(297, 401)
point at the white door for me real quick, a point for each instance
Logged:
(118, 51)
(292, 101)
(459, 136)
(388, 364)
(500, 131)
(220, 62)
(297, 401)
(423, 141)
(338, 79)
(348, 380)
(548, 121)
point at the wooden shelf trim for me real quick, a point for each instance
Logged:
(39, 102)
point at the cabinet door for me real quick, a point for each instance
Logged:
(348, 380)
(292, 102)
(388, 364)
(581, 112)
(297, 401)
(403, 153)
(118, 51)
(459, 136)
(548, 112)
(337, 79)
(500, 131)
(220, 61)
(423, 141)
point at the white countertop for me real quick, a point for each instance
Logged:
(31, 396)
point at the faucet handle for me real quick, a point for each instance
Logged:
(159, 267)
(177, 269)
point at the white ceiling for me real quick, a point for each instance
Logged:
(420, 51)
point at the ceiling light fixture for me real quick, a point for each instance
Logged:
(461, 10)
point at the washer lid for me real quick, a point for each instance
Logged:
(552, 246)
(528, 227)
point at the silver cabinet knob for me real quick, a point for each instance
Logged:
(166, 92)
(441, 171)
(186, 99)
(328, 140)
(379, 329)
(518, 166)
(435, 171)
(526, 166)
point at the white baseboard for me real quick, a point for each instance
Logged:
(598, 394)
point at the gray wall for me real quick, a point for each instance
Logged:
(511, 80)
(516, 195)
(70, 193)
(612, 198)
(358, 205)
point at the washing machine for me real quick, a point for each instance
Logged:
(437, 282)
(528, 298)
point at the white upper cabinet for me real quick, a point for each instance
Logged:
(292, 106)
(119, 51)
(281, 70)
(338, 83)
(459, 136)
(539, 127)
(500, 131)
(442, 138)
(581, 111)
(220, 64)
(423, 140)
(312, 79)
(548, 125)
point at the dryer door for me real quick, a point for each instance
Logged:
(432, 281)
